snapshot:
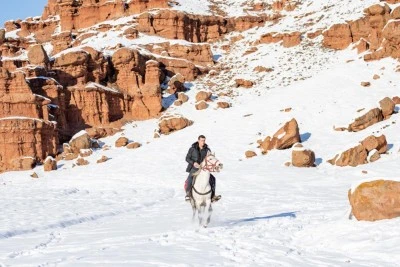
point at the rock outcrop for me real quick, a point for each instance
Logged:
(288, 39)
(377, 32)
(373, 116)
(284, 138)
(169, 124)
(363, 153)
(25, 141)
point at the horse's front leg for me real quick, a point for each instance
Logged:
(200, 212)
(194, 210)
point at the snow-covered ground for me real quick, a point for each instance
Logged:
(130, 210)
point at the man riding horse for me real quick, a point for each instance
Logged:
(195, 156)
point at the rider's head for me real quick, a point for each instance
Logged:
(201, 140)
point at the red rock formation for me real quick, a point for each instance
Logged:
(76, 15)
(130, 67)
(378, 31)
(41, 29)
(61, 41)
(288, 39)
(375, 200)
(72, 68)
(194, 28)
(95, 105)
(17, 99)
(337, 37)
(287, 5)
(22, 138)
(199, 54)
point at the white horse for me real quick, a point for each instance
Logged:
(201, 190)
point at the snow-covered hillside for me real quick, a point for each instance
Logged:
(130, 210)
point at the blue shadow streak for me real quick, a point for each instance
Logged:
(253, 219)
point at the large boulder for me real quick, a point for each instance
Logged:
(170, 124)
(387, 107)
(371, 117)
(302, 157)
(37, 55)
(352, 157)
(373, 142)
(284, 138)
(50, 164)
(375, 200)
(79, 141)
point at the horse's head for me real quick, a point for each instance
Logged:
(211, 163)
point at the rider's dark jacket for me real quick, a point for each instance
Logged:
(195, 154)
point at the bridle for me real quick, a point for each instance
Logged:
(209, 166)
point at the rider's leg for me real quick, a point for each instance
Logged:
(189, 184)
(213, 185)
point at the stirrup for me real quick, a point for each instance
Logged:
(187, 198)
(216, 198)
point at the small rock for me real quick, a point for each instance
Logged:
(34, 175)
(85, 153)
(365, 84)
(81, 162)
(223, 104)
(244, 83)
(376, 77)
(178, 103)
(203, 96)
(122, 141)
(250, 154)
(102, 159)
(182, 97)
(133, 145)
(201, 105)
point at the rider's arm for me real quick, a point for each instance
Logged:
(189, 155)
